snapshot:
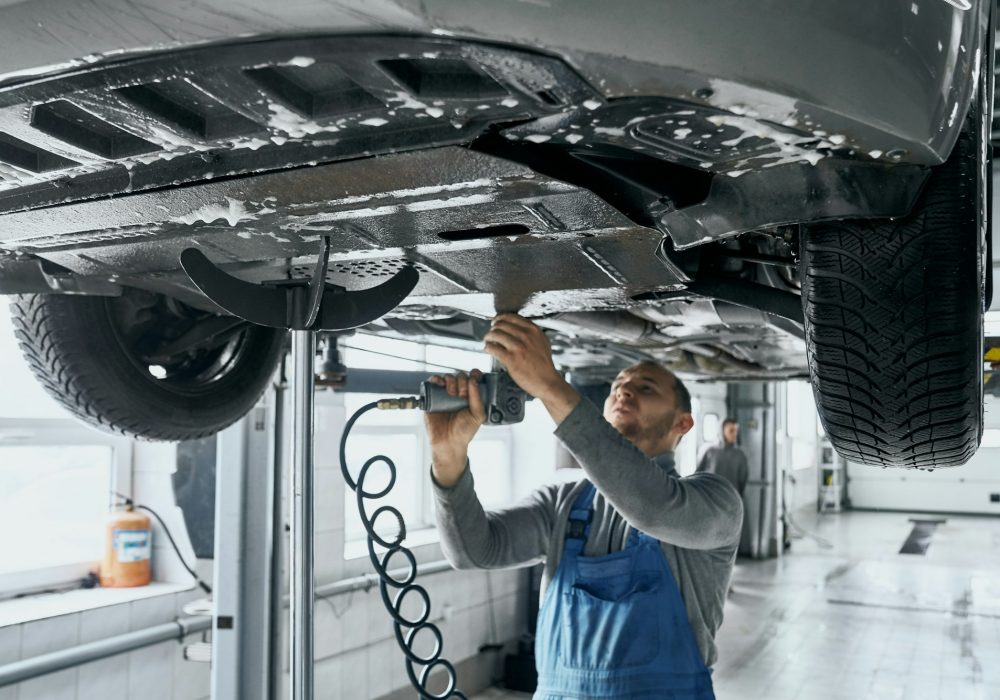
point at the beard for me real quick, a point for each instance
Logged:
(633, 430)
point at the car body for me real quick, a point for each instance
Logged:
(636, 177)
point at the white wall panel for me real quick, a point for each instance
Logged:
(965, 489)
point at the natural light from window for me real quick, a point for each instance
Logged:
(53, 504)
(56, 479)
(23, 396)
(400, 436)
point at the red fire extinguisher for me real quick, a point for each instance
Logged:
(127, 548)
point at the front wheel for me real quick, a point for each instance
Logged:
(145, 365)
(894, 323)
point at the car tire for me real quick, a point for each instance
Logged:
(894, 323)
(74, 345)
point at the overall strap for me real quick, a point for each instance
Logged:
(580, 515)
(634, 537)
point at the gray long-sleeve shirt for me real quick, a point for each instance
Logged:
(697, 519)
(727, 461)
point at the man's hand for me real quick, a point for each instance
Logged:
(523, 349)
(451, 433)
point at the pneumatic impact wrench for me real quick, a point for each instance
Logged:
(503, 400)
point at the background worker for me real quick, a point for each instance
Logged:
(637, 559)
(726, 459)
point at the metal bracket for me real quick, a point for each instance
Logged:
(833, 188)
(298, 305)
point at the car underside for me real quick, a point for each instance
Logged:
(650, 224)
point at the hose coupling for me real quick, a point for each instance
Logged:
(402, 403)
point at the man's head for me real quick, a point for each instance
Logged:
(730, 431)
(649, 406)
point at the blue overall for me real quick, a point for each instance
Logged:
(615, 626)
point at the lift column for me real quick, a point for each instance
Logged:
(303, 306)
(301, 580)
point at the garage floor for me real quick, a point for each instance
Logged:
(860, 620)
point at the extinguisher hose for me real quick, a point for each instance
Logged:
(129, 503)
(204, 586)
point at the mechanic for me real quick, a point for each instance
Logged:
(726, 459)
(637, 559)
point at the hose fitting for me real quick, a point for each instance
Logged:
(402, 403)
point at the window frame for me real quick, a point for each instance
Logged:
(54, 432)
(423, 451)
(506, 435)
(425, 523)
(716, 433)
(809, 437)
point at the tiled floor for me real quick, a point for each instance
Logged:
(861, 621)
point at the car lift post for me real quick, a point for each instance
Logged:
(304, 306)
(301, 581)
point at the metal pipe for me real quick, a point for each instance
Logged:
(26, 669)
(750, 294)
(366, 581)
(301, 583)
(617, 325)
(278, 598)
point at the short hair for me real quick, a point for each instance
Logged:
(728, 420)
(682, 397)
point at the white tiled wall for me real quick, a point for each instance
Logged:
(155, 672)
(357, 655)
(354, 635)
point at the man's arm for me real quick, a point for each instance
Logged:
(450, 433)
(473, 538)
(702, 511)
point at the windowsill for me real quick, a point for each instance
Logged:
(358, 549)
(16, 611)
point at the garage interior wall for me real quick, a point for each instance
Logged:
(973, 488)
(472, 608)
(357, 657)
(796, 444)
(354, 643)
(157, 671)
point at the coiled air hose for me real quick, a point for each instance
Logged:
(406, 585)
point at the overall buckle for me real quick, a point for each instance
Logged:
(578, 528)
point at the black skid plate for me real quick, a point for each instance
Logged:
(218, 111)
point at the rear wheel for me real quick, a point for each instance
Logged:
(145, 365)
(893, 321)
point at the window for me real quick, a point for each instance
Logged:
(56, 481)
(400, 436)
(22, 395)
(711, 428)
(800, 421)
(399, 445)
(489, 457)
(687, 452)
